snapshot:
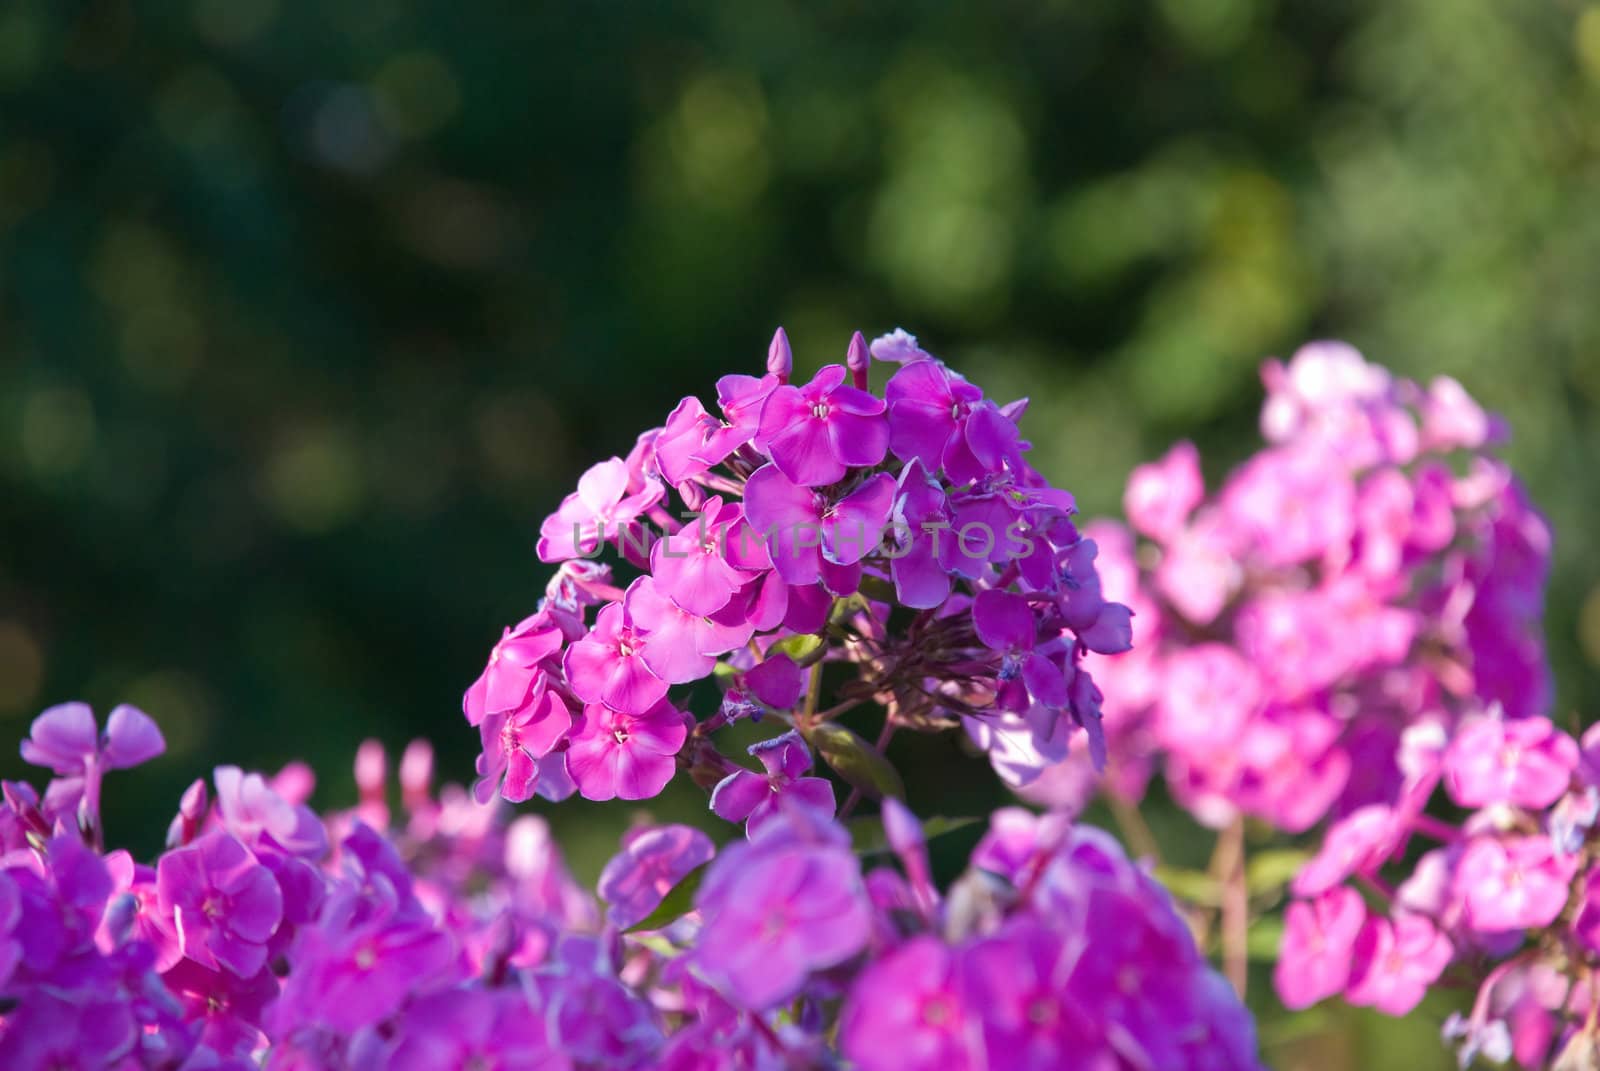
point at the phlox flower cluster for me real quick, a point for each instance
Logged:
(902, 535)
(444, 933)
(1507, 899)
(1374, 567)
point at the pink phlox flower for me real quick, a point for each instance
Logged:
(815, 433)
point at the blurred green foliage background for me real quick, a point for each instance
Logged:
(309, 312)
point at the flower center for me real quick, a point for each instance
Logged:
(820, 410)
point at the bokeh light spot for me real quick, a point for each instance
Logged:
(21, 669)
(314, 480)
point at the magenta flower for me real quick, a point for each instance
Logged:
(495, 1030)
(515, 665)
(777, 908)
(625, 756)
(906, 1012)
(1209, 694)
(228, 1008)
(608, 666)
(252, 810)
(701, 566)
(1358, 843)
(604, 502)
(69, 1031)
(1298, 503)
(223, 904)
(1527, 762)
(680, 646)
(1199, 571)
(1319, 940)
(938, 418)
(1513, 884)
(1396, 962)
(1161, 494)
(816, 432)
(651, 862)
(692, 441)
(756, 799)
(1005, 624)
(804, 529)
(1031, 1019)
(351, 972)
(515, 741)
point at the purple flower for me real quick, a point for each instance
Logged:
(223, 904)
(1005, 624)
(907, 1012)
(604, 500)
(66, 739)
(804, 528)
(898, 347)
(1031, 1019)
(816, 432)
(608, 666)
(779, 907)
(651, 862)
(757, 799)
(350, 973)
(474, 1028)
(626, 756)
(920, 513)
(596, 1020)
(66, 1031)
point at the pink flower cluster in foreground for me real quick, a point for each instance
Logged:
(1374, 567)
(904, 536)
(448, 935)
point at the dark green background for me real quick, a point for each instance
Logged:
(309, 312)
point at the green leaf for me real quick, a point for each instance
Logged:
(857, 761)
(798, 647)
(1264, 938)
(673, 906)
(723, 671)
(877, 588)
(1271, 870)
(1193, 886)
(656, 943)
